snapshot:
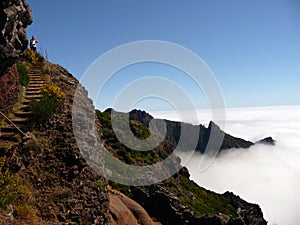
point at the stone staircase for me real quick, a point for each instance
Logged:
(10, 134)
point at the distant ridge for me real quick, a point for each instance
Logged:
(174, 129)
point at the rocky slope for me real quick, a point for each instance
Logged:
(55, 185)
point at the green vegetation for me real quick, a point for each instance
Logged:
(8, 184)
(131, 156)
(23, 75)
(200, 200)
(53, 91)
(44, 109)
(32, 57)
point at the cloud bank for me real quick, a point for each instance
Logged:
(266, 175)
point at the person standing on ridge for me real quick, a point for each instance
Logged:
(33, 42)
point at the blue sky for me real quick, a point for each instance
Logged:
(252, 47)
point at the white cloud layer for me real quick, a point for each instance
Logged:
(266, 175)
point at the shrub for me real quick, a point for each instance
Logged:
(43, 109)
(8, 184)
(30, 56)
(51, 100)
(23, 75)
(53, 91)
(26, 213)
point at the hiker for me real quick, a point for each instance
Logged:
(33, 42)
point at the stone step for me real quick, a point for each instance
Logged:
(19, 120)
(36, 96)
(9, 129)
(37, 82)
(35, 92)
(37, 79)
(34, 74)
(24, 108)
(22, 114)
(33, 89)
(11, 136)
(26, 101)
(35, 85)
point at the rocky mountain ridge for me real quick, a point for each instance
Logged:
(174, 130)
(45, 180)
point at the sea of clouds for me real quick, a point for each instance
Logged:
(262, 174)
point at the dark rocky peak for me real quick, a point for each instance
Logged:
(267, 141)
(15, 16)
(140, 116)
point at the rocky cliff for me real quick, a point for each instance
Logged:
(15, 16)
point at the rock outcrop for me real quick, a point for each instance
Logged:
(267, 141)
(247, 213)
(15, 16)
(125, 211)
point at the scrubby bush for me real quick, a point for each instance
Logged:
(51, 100)
(52, 91)
(8, 184)
(26, 213)
(43, 109)
(30, 56)
(23, 75)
